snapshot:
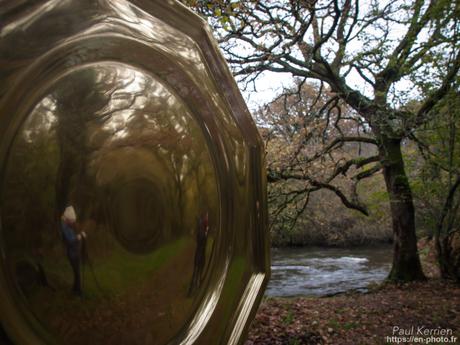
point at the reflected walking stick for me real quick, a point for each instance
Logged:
(86, 261)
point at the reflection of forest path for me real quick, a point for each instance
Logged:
(146, 313)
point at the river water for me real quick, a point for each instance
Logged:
(326, 271)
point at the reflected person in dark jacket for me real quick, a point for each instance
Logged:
(73, 243)
(202, 231)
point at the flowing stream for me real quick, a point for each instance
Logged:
(326, 271)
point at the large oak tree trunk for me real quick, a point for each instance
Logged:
(406, 262)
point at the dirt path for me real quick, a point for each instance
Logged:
(354, 319)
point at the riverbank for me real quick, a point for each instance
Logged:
(356, 243)
(345, 241)
(357, 318)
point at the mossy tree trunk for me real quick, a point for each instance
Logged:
(406, 263)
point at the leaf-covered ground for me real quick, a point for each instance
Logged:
(356, 318)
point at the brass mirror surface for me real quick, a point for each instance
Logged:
(132, 197)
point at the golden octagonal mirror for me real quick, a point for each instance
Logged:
(132, 195)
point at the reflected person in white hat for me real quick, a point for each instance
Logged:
(72, 241)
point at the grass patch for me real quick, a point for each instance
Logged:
(334, 324)
(118, 272)
(288, 318)
(349, 325)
